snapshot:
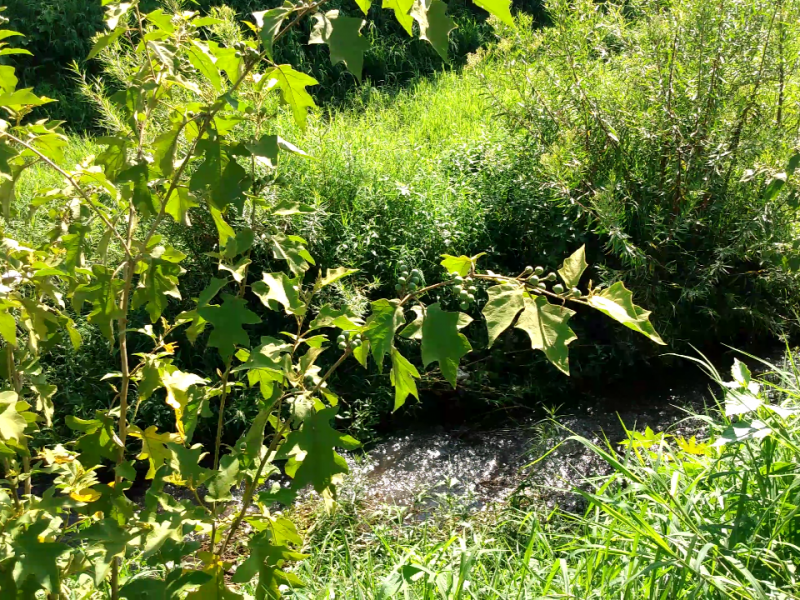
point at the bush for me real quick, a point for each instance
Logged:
(662, 131)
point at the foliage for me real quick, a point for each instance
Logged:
(667, 133)
(59, 34)
(711, 516)
(171, 157)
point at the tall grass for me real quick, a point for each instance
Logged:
(715, 517)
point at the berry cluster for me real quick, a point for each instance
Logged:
(346, 340)
(408, 281)
(536, 279)
(245, 51)
(466, 295)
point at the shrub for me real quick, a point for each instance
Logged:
(662, 131)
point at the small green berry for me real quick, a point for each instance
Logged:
(412, 287)
(398, 288)
(542, 286)
(539, 270)
(577, 292)
(551, 277)
(528, 269)
(342, 345)
(558, 288)
(471, 298)
(458, 279)
(402, 280)
(464, 306)
(534, 280)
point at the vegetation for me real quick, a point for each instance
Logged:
(181, 295)
(711, 517)
(170, 156)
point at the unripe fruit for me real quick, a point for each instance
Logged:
(402, 267)
(458, 289)
(341, 339)
(242, 446)
(534, 279)
(539, 270)
(458, 279)
(398, 288)
(414, 280)
(404, 273)
(472, 289)
(464, 306)
(463, 294)
(402, 280)
(551, 277)
(413, 287)
(528, 269)
(357, 343)
(558, 288)
(471, 298)
(577, 292)
(342, 345)
(542, 286)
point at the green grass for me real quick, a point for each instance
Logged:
(675, 519)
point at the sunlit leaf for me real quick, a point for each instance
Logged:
(402, 378)
(434, 24)
(343, 37)
(617, 303)
(505, 303)
(442, 343)
(573, 268)
(546, 325)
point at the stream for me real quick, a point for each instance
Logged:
(425, 468)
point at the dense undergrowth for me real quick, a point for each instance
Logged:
(505, 156)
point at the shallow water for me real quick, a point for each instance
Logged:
(426, 468)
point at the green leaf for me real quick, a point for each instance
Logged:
(102, 292)
(111, 541)
(546, 325)
(266, 560)
(505, 303)
(227, 320)
(198, 323)
(286, 207)
(457, 264)
(185, 466)
(386, 318)
(334, 275)
(413, 331)
(223, 180)
(573, 268)
(342, 318)
(12, 423)
(44, 401)
(499, 8)
(311, 454)
(22, 98)
(364, 5)
(138, 191)
(277, 289)
(178, 205)
(442, 342)
(8, 326)
(344, 39)
(156, 285)
(292, 85)
(224, 230)
(219, 488)
(617, 303)
(205, 63)
(215, 589)
(402, 378)
(154, 446)
(434, 24)
(401, 10)
(178, 581)
(36, 559)
(105, 41)
(269, 24)
(98, 439)
(292, 249)
(165, 146)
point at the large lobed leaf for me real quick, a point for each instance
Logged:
(617, 303)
